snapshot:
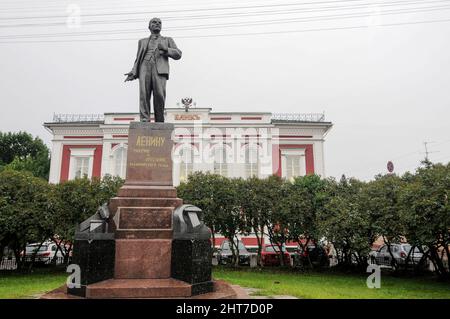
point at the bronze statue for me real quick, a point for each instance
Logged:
(152, 69)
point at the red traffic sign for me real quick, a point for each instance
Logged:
(390, 167)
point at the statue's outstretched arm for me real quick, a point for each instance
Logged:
(133, 74)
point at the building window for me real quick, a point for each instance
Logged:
(220, 161)
(251, 161)
(81, 167)
(293, 163)
(81, 162)
(186, 163)
(120, 161)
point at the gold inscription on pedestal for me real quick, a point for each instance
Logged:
(148, 155)
(156, 141)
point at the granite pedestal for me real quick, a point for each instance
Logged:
(147, 258)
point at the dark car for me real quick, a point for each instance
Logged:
(314, 254)
(225, 255)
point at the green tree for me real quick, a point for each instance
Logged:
(345, 222)
(198, 191)
(275, 215)
(380, 197)
(74, 201)
(20, 151)
(216, 196)
(254, 201)
(425, 212)
(25, 211)
(304, 198)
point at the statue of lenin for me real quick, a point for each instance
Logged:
(152, 69)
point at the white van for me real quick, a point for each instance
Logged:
(45, 252)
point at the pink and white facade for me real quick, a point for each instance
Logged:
(233, 144)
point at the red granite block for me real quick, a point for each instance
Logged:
(149, 156)
(142, 258)
(145, 218)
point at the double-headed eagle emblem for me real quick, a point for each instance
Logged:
(187, 102)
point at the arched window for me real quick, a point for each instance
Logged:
(120, 161)
(186, 163)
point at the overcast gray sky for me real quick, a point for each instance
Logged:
(379, 69)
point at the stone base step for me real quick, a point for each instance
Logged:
(148, 202)
(138, 288)
(143, 234)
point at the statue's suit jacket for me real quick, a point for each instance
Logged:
(162, 60)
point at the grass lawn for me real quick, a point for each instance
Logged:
(331, 285)
(269, 281)
(25, 285)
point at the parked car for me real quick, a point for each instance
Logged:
(225, 255)
(270, 255)
(316, 254)
(399, 252)
(44, 254)
(292, 250)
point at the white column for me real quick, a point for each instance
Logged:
(106, 159)
(318, 158)
(55, 162)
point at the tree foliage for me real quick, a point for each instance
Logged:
(349, 214)
(424, 211)
(20, 151)
(344, 221)
(25, 210)
(216, 196)
(33, 211)
(74, 201)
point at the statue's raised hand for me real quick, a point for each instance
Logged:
(130, 77)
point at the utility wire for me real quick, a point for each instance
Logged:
(117, 5)
(243, 34)
(231, 25)
(180, 10)
(235, 15)
(58, 3)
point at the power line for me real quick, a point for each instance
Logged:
(57, 3)
(183, 10)
(143, 4)
(228, 25)
(242, 34)
(238, 14)
(84, 7)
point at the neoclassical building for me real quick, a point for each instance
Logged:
(233, 144)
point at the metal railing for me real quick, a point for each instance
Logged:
(294, 117)
(11, 263)
(66, 118)
(299, 117)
